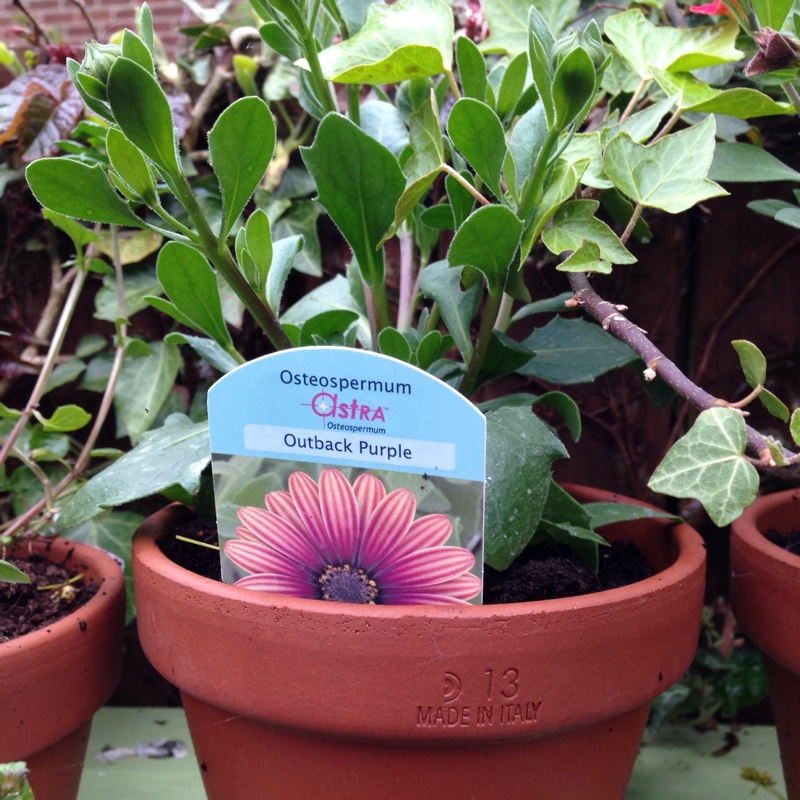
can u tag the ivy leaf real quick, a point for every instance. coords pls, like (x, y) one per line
(520, 451)
(78, 190)
(644, 45)
(601, 514)
(708, 464)
(142, 111)
(586, 258)
(508, 22)
(696, 95)
(176, 453)
(736, 162)
(487, 241)
(575, 223)
(754, 365)
(794, 426)
(669, 174)
(241, 145)
(359, 183)
(574, 351)
(410, 39)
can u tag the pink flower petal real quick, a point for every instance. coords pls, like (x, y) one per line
(246, 534)
(282, 536)
(281, 503)
(422, 599)
(464, 587)
(340, 512)
(432, 530)
(279, 584)
(305, 494)
(257, 558)
(425, 568)
(388, 524)
(369, 491)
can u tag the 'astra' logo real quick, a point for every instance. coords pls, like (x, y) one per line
(325, 404)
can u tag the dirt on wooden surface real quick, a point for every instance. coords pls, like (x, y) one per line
(51, 595)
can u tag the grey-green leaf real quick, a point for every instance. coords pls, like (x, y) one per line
(708, 464)
(754, 365)
(240, 145)
(176, 453)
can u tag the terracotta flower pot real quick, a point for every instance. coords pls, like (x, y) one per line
(287, 698)
(54, 679)
(765, 592)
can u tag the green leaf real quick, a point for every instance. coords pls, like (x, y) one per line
(136, 50)
(425, 162)
(512, 86)
(708, 464)
(503, 357)
(259, 244)
(461, 199)
(191, 285)
(736, 162)
(301, 220)
(644, 45)
(487, 241)
(392, 343)
(321, 328)
(477, 133)
(573, 87)
(586, 258)
(774, 405)
(540, 43)
(283, 257)
(240, 145)
(471, 68)
(575, 223)
(10, 574)
(130, 165)
(754, 365)
(669, 174)
(525, 143)
(359, 183)
(574, 351)
(384, 122)
(113, 532)
(520, 451)
(601, 514)
(207, 349)
(457, 307)
(65, 418)
(176, 453)
(78, 190)
(794, 426)
(693, 94)
(281, 41)
(142, 111)
(354, 14)
(144, 385)
(80, 234)
(410, 39)
(771, 13)
(508, 22)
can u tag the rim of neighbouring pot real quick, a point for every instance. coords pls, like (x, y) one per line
(56, 677)
(309, 654)
(765, 579)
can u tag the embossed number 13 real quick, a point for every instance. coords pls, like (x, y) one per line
(510, 681)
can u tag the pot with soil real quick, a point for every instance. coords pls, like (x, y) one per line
(549, 699)
(54, 677)
(765, 592)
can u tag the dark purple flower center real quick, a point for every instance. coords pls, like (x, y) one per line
(346, 584)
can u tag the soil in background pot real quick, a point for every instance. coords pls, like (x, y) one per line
(26, 607)
(790, 542)
(540, 574)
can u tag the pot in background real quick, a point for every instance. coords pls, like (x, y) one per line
(54, 679)
(765, 593)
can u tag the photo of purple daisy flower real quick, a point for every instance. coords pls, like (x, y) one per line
(351, 544)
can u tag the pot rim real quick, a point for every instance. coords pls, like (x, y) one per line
(690, 556)
(749, 527)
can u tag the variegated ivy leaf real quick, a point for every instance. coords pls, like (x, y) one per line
(708, 464)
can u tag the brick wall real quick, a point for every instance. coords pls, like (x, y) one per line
(62, 20)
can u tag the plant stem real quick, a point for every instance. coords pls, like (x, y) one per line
(792, 94)
(504, 313)
(453, 85)
(353, 105)
(634, 100)
(533, 192)
(324, 93)
(465, 183)
(637, 212)
(490, 310)
(404, 307)
(623, 329)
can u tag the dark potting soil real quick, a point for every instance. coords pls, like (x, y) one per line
(790, 542)
(542, 573)
(26, 607)
(545, 574)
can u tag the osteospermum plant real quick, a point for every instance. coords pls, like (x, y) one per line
(465, 163)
